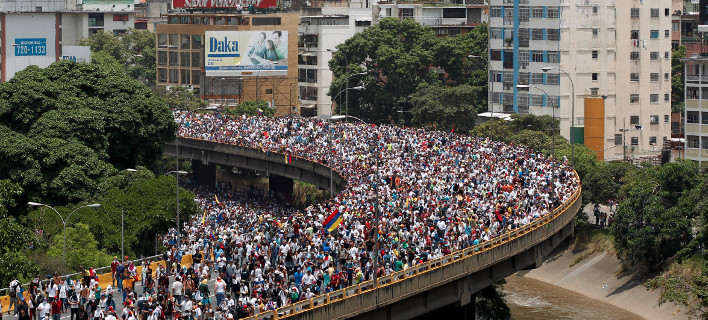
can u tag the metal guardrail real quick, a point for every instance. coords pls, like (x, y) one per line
(367, 286)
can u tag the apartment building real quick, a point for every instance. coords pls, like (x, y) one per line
(35, 32)
(569, 50)
(446, 18)
(696, 111)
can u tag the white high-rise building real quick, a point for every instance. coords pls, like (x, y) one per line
(617, 50)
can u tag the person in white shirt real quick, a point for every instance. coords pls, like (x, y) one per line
(98, 314)
(219, 289)
(178, 291)
(44, 309)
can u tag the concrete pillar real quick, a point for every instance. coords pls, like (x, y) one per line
(280, 184)
(205, 175)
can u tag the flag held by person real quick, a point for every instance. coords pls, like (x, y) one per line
(333, 221)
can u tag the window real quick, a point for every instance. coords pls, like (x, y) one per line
(654, 12)
(652, 141)
(162, 58)
(705, 118)
(362, 23)
(594, 92)
(95, 20)
(634, 76)
(553, 57)
(553, 13)
(553, 34)
(120, 17)
(174, 41)
(666, 54)
(537, 12)
(553, 79)
(667, 12)
(618, 139)
(654, 34)
(635, 13)
(634, 120)
(405, 13)
(184, 59)
(654, 55)
(635, 141)
(174, 76)
(634, 55)
(162, 75)
(161, 40)
(667, 34)
(524, 78)
(495, 33)
(523, 56)
(495, 12)
(654, 77)
(524, 14)
(307, 75)
(537, 78)
(116, 32)
(174, 58)
(666, 118)
(536, 34)
(184, 41)
(634, 98)
(595, 32)
(267, 21)
(634, 34)
(595, 9)
(308, 93)
(692, 117)
(537, 56)
(654, 98)
(594, 54)
(496, 55)
(536, 100)
(594, 76)
(666, 76)
(667, 98)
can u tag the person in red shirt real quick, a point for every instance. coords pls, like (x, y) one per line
(56, 308)
(114, 265)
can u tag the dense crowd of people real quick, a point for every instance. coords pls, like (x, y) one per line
(412, 195)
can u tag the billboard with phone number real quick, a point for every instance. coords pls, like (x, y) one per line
(246, 53)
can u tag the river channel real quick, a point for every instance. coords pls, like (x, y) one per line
(531, 299)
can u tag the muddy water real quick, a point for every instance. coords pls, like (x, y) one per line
(531, 299)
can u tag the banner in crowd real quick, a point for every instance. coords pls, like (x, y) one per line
(246, 53)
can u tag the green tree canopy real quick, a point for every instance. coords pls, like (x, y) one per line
(64, 128)
(250, 108)
(398, 56)
(133, 51)
(81, 248)
(445, 107)
(677, 79)
(181, 98)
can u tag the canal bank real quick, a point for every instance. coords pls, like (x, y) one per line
(595, 277)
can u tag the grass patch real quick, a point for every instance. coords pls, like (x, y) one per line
(589, 241)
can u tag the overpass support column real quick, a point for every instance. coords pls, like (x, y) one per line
(204, 174)
(280, 184)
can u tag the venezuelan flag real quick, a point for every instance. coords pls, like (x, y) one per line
(333, 221)
(260, 112)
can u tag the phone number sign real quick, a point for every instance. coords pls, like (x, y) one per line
(30, 47)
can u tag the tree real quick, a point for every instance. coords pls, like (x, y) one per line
(491, 303)
(14, 238)
(180, 98)
(677, 79)
(134, 51)
(604, 183)
(398, 56)
(81, 248)
(445, 107)
(65, 127)
(654, 220)
(251, 109)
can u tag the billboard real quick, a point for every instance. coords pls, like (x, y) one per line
(109, 2)
(224, 4)
(246, 53)
(76, 53)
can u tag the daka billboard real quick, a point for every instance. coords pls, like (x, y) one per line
(246, 53)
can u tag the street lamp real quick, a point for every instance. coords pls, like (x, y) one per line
(376, 203)
(346, 81)
(177, 173)
(572, 112)
(553, 109)
(347, 90)
(63, 221)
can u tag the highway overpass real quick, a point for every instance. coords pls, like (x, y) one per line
(448, 283)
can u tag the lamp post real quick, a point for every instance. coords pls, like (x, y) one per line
(257, 81)
(346, 90)
(377, 218)
(553, 109)
(572, 112)
(177, 173)
(122, 216)
(346, 82)
(490, 96)
(63, 221)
